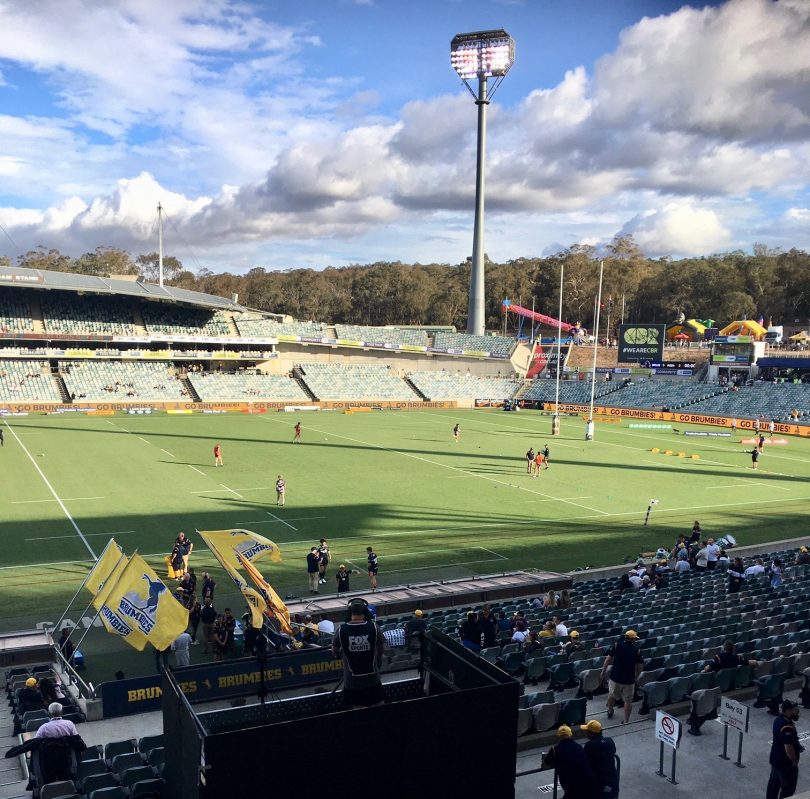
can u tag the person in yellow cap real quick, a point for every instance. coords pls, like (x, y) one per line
(802, 559)
(573, 644)
(625, 664)
(568, 759)
(601, 755)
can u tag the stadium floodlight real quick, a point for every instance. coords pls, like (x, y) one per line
(482, 55)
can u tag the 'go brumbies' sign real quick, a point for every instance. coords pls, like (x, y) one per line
(641, 343)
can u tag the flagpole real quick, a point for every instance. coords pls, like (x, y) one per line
(595, 346)
(555, 421)
(84, 583)
(98, 612)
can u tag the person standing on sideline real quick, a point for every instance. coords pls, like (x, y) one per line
(457, 432)
(529, 460)
(208, 586)
(373, 566)
(755, 458)
(342, 576)
(208, 616)
(771, 428)
(2, 438)
(313, 567)
(281, 489)
(625, 664)
(601, 755)
(297, 436)
(360, 644)
(181, 646)
(568, 758)
(323, 562)
(218, 455)
(785, 753)
(182, 548)
(545, 455)
(733, 426)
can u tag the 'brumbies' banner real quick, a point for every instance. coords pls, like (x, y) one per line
(105, 564)
(641, 343)
(249, 545)
(140, 608)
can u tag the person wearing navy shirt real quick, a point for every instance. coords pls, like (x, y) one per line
(373, 566)
(728, 659)
(625, 663)
(360, 644)
(571, 764)
(601, 754)
(785, 752)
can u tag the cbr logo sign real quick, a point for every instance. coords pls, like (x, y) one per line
(641, 343)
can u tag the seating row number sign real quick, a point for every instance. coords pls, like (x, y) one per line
(667, 729)
(734, 714)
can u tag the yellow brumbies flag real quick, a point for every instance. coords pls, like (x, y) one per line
(100, 573)
(249, 545)
(218, 541)
(139, 605)
(275, 605)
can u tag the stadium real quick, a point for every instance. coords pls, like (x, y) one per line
(114, 393)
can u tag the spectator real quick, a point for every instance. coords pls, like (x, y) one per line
(736, 575)
(534, 643)
(181, 646)
(489, 629)
(573, 645)
(548, 630)
(682, 566)
(625, 664)
(222, 638)
(470, 633)
(30, 694)
(194, 620)
(208, 617)
(503, 624)
(785, 753)
(601, 755)
(326, 626)
(696, 533)
(776, 573)
(208, 586)
(712, 554)
(550, 600)
(728, 659)
(723, 560)
(521, 634)
(568, 758)
(758, 567)
(560, 630)
(51, 690)
(56, 726)
(565, 598)
(66, 646)
(702, 557)
(415, 630)
(634, 579)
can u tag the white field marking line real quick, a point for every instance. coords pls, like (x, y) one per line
(167, 452)
(292, 519)
(281, 520)
(66, 499)
(446, 466)
(530, 501)
(733, 485)
(51, 489)
(235, 493)
(118, 426)
(68, 562)
(143, 439)
(89, 535)
(196, 470)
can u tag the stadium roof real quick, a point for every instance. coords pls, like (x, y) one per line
(89, 284)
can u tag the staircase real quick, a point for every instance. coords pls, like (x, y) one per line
(232, 325)
(60, 384)
(137, 321)
(298, 376)
(415, 389)
(36, 314)
(523, 390)
(192, 392)
(12, 777)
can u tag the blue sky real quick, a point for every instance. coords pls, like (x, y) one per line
(326, 132)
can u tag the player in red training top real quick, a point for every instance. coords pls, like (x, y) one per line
(297, 436)
(218, 455)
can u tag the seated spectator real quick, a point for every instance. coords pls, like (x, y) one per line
(758, 567)
(470, 633)
(550, 600)
(723, 560)
(560, 630)
(802, 557)
(504, 624)
(51, 690)
(728, 659)
(635, 579)
(565, 598)
(327, 626)
(736, 575)
(682, 566)
(30, 695)
(533, 644)
(56, 726)
(573, 645)
(548, 630)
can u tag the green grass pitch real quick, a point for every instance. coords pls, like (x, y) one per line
(432, 508)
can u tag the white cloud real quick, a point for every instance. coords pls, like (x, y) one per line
(682, 228)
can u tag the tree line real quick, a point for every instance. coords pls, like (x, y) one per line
(770, 283)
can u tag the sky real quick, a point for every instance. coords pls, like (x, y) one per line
(330, 132)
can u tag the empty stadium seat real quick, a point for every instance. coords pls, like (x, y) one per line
(58, 790)
(147, 789)
(97, 781)
(545, 716)
(572, 712)
(703, 707)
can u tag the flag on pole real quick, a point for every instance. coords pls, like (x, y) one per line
(218, 542)
(139, 607)
(275, 605)
(103, 568)
(251, 546)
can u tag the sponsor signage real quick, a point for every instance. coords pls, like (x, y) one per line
(641, 343)
(713, 433)
(7, 278)
(734, 714)
(668, 729)
(742, 359)
(733, 340)
(213, 681)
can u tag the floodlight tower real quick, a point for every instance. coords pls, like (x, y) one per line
(482, 55)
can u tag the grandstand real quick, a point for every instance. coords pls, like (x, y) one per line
(27, 381)
(771, 400)
(576, 392)
(382, 335)
(119, 381)
(498, 346)
(77, 315)
(15, 314)
(338, 382)
(255, 327)
(236, 386)
(659, 394)
(446, 386)
(180, 321)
